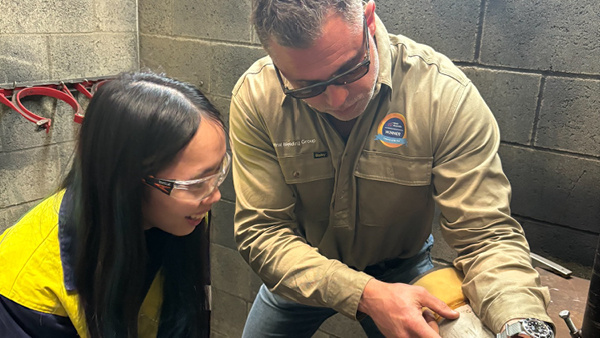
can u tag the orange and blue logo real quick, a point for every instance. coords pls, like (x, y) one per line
(392, 130)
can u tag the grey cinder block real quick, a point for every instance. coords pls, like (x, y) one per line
(222, 224)
(32, 16)
(66, 153)
(28, 175)
(450, 27)
(64, 128)
(213, 19)
(227, 191)
(185, 60)
(18, 133)
(570, 116)
(228, 314)
(564, 245)
(553, 188)
(92, 55)
(23, 58)
(512, 97)
(222, 104)
(548, 35)
(116, 16)
(227, 263)
(156, 17)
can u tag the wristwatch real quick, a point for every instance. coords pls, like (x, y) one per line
(532, 327)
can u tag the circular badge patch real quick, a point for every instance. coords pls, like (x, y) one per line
(392, 130)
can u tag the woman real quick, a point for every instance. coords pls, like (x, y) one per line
(122, 249)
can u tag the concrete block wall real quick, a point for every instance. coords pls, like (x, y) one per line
(53, 41)
(535, 63)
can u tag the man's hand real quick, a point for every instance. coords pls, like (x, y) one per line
(397, 309)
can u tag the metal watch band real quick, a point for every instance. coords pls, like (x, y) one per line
(516, 328)
(511, 330)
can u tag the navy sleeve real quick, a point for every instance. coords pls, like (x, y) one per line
(17, 321)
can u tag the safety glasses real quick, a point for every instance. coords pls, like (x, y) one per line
(349, 76)
(193, 190)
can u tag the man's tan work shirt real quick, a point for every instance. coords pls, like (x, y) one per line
(313, 209)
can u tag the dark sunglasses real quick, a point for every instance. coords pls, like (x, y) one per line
(349, 76)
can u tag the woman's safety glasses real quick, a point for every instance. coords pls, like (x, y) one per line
(193, 190)
(349, 76)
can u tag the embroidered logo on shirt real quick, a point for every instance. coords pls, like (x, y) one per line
(295, 143)
(392, 130)
(320, 154)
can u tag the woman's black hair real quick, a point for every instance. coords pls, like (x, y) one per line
(134, 126)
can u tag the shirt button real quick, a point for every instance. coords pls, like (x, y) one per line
(296, 174)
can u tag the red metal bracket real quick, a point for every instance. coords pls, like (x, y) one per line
(59, 91)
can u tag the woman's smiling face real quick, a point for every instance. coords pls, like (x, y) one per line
(201, 157)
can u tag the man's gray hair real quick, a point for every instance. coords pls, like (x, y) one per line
(298, 23)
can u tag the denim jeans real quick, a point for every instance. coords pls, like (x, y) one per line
(274, 316)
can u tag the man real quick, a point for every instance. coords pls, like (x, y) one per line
(343, 140)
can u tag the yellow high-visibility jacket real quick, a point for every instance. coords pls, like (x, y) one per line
(36, 275)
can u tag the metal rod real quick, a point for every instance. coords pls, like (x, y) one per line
(25, 84)
(575, 333)
(547, 264)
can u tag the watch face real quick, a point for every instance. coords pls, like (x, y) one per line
(537, 328)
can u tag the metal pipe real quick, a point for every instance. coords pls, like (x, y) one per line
(25, 84)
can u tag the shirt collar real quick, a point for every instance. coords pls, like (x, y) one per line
(382, 40)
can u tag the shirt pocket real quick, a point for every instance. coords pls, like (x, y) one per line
(312, 179)
(394, 168)
(393, 190)
(305, 168)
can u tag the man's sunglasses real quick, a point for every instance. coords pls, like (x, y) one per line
(349, 76)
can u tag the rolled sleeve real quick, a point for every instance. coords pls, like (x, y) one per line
(474, 197)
